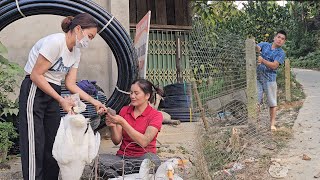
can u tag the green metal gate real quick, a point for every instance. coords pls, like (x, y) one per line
(161, 63)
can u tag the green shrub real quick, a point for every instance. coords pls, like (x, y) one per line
(7, 132)
(10, 75)
(310, 61)
(9, 79)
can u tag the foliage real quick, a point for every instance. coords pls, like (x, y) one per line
(9, 73)
(208, 91)
(302, 34)
(310, 61)
(214, 15)
(215, 146)
(214, 12)
(9, 77)
(296, 88)
(7, 132)
(264, 18)
(261, 20)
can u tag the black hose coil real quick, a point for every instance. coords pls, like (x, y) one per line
(114, 35)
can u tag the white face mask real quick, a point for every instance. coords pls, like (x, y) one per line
(82, 43)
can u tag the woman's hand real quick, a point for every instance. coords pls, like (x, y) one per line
(100, 108)
(114, 119)
(67, 103)
(109, 123)
(109, 112)
(116, 130)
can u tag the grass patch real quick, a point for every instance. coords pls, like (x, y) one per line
(281, 137)
(297, 108)
(217, 149)
(183, 150)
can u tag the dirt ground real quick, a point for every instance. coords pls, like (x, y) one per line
(258, 169)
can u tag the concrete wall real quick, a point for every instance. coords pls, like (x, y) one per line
(97, 62)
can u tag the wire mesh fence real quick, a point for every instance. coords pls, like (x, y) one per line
(225, 93)
(237, 137)
(145, 169)
(237, 140)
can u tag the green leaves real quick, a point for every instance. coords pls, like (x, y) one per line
(10, 111)
(7, 132)
(9, 79)
(214, 13)
(265, 17)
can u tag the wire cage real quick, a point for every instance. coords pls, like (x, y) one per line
(107, 166)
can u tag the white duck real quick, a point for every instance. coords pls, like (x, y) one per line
(75, 145)
(166, 169)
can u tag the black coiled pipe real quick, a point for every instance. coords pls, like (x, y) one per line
(114, 35)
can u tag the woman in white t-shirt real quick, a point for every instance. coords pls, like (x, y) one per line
(52, 59)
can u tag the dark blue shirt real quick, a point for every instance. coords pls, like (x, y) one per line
(271, 55)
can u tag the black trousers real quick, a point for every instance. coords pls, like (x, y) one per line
(39, 119)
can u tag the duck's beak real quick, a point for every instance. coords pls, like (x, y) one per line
(182, 162)
(170, 174)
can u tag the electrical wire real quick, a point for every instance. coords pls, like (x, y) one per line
(114, 35)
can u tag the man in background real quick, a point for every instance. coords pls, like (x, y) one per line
(270, 57)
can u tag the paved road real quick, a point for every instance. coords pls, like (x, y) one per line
(306, 131)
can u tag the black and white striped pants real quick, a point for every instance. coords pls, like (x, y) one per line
(39, 119)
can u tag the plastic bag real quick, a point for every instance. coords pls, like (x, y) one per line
(79, 105)
(88, 87)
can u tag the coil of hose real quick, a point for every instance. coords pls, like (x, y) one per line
(114, 35)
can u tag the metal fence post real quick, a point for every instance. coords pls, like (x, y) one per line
(251, 82)
(178, 57)
(287, 80)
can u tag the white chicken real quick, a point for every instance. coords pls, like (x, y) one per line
(75, 145)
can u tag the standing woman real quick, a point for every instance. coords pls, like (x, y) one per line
(52, 59)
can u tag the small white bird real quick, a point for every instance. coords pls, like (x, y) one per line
(75, 145)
